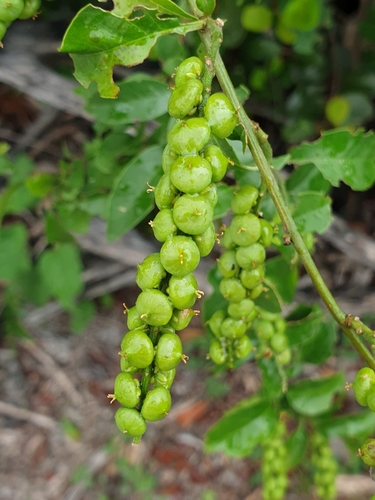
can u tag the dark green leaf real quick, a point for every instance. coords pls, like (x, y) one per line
(284, 276)
(307, 178)
(215, 300)
(225, 198)
(243, 427)
(303, 323)
(296, 446)
(358, 425)
(55, 231)
(315, 397)
(116, 40)
(14, 258)
(341, 156)
(318, 347)
(270, 299)
(272, 382)
(40, 184)
(312, 213)
(129, 201)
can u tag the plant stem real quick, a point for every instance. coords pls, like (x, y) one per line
(352, 327)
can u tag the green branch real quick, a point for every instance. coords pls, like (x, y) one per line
(352, 327)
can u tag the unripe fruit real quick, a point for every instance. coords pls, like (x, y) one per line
(165, 192)
(191, 174)
(150, 272)
(168, 158)
(215, 322)
(179, 255)
(266, 233)
(232, 289)
(211, 194)
(189, 136)
(157, 404)
(218, 162)
(233, 328)
(183, 292)
(241, 309)
(10, 10)
(285, 357)
(154, 308)
(363, 381)
(163, 225)
(206, 6)
(190, 68)
(220, 115)
(168, 351)
(367, 452)
(165, 378)
(130, 421)
(250, 278)
(206, 240)
(193, 214)
(264, 329)
(244, 199)
(242, 347)
(134, 321)
(181, 318)
(137, 348)
(250, 256)
(278, 342)
(371, 398)
(227, 264)
(30, 9)
(126, 390)
(185, 98)
(255, 292)
(245, 229)
(125, 366)
(226, 240)
(217, 353)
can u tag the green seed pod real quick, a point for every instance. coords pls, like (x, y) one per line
(264, 329)
(191, 174)
(157, 404)
(134, 322)
(363, 382)
(188, 137)
(10, 10)
(242, 309)
(215, 322)
(168, 351)
(251, 278)
(255, 292)
(227, 264)
(244, 199)
(130, 421)
(266, 233)
(250, 256)
(185, 98)
(150, 272)
(206, 240)
(179, 255)
(165, 378)
(206, 6)
(181, 318)
(232, 289)
(193, 214)
(165, 192)
(168, 158)
(242, 347)
(190, 69)
(154, 308)
(245, 229)
(217, 353)
(218, 162)
(30, 9)
(126, 390)
(233, 328)
(285, 357)
(278, 342)
(137, 348)
(163, 225)
(220, 115)
(183, 292)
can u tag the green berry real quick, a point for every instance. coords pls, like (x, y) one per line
(30, 9)
(245, 229)
(154, 308)
(211, 194)
(165, 192)
(251, 278)
(133, 320)
(215, 322)
(10, 10)
(190, 68)
(232, 289)
(168, 351)
(191, 174)
(126, 390)
(183, 292)
(217, 353)
(218, 161)
(266, 234)
(181, 318)
(185, 98)
(206, 240)
(137, 348)
(220, 115)
(264, 329)
(363, 382)
(179, 255)
(163, 225)
(367, 452)
(125, 366)
(244, 199)
(233, 328)
(278, 342)
(256, 291)
(371, 398)
(165, 378)
(241, 309)
(150, 272)
(168, 158)
(227, 264)
(130, 421)
(242, 347)
(189, 136)
(157, 404)
(193, 214)
(250, 256)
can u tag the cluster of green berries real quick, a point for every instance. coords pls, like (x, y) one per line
(241, 266)
(10, 10)
(185, 195)
(325, 467)
(274, 472)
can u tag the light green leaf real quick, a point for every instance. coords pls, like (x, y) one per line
(307, 178)
(312, 213)
(61, 269)
(357, 426)
(341, 156)
(115, 41)
(124, 8)
(129, 201)
(296, 445)
(249, 423)
(284, 276)
(225, 194)
(169, 7)
(315, 397)
(40, 184)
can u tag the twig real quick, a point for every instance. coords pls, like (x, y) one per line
(29, 416)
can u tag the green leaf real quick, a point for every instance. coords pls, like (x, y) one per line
(319, 346)
(272, 381)
(357, 426)
(14, 258)
(314, 397)
(169, 7)
(312, 213)
(61, 269)
(81, 315)
(249, 423)
(55, 231)
(341, 156)
(307, 178)
(284, 276)
(123, 8)
(225, 194)
(296, 446)
(215, 300)
(129, 201)
(257, 18)
(139, 99)
(115, 41)
(302, 15)
(270, 299)
(40, 184)
(73, 219)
